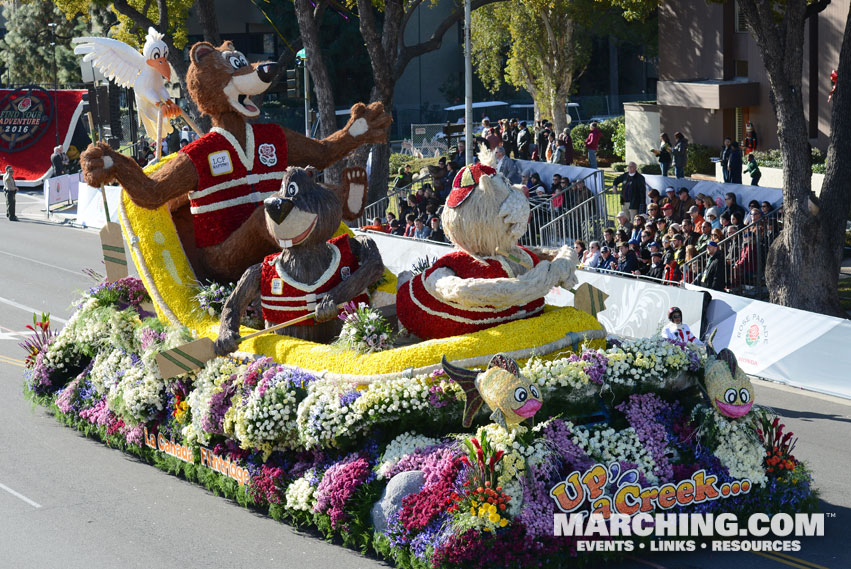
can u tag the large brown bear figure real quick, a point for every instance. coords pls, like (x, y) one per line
(227, 173)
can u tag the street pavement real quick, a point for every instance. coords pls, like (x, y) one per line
(67, 501)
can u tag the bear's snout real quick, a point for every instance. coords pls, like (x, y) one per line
(278, 208)
(266, 71)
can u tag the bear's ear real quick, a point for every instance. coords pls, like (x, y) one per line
(200, 50)
(352, 192)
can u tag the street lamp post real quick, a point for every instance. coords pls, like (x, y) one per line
(52, 26)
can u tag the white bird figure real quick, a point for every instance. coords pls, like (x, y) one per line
(145, 72)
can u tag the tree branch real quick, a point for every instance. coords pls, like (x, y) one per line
(816, 8)
(407, 53)
(163, 9)
(377, 56)
(410, 12)
(123, 7)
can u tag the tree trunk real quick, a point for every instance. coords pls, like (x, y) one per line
(206, 10)
(803, 262)
(309, 29)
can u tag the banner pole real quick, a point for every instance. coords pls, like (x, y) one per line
(102, 191)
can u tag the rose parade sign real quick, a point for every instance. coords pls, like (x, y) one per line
(25, 115)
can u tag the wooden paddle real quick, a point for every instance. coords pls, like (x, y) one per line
(191, 123)
(158, 151)
(114, 255)
(513, 258)
(196, 354)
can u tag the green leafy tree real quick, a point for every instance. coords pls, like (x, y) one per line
(26, 50)
(547, 46)
(803, 263)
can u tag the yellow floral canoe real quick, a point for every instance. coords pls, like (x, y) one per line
(164, 268)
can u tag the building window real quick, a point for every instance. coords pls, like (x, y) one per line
(741, 25)
(739, 124)
(741, 68)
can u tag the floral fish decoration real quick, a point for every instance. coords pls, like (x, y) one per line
(510, 396)
(729, 389)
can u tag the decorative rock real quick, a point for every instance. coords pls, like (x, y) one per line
(400, 486)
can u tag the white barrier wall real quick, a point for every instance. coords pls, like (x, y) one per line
(744, 193)
(90, 205)
(791, 346)
(636, 308)
(402, 253)
(546, 170)
(61, 189)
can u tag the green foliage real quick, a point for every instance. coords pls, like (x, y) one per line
(619, 137)
(700, 160)
(606, 148)
(773, 158)
(511, 45)
(649, 169)
(398, 160)
(578, 134)
(619, 166)
(26, 50)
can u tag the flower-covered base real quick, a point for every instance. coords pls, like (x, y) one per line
(319, 453)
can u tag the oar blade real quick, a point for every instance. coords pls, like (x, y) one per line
(114, 254)
(185, 358)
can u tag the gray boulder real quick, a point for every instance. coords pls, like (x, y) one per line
(401, 485)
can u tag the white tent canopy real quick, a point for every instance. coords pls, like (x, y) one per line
(481, 105)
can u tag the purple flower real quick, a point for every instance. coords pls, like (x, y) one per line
(339, 484)
(641, 411)
(349, 397)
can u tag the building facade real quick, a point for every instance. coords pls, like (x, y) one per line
(712, 81)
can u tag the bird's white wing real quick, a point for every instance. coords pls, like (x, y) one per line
(119, 62)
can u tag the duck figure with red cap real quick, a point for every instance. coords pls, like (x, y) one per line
(489, 279)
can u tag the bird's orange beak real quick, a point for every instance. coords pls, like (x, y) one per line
(161, 65)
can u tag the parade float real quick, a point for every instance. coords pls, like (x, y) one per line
(453, 446)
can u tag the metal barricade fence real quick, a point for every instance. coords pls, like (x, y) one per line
(429, 140)
(745, 253)
(391, 202)
(585, 220)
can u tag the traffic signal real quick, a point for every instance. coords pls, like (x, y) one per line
(292, 83)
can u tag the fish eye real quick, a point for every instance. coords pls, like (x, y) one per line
(292, 190)
(745, 395)
(730, 396)
(520, 394)
(534, 391)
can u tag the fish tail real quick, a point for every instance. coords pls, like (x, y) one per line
(467, 380)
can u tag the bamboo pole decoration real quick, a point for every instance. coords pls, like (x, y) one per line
(158, 151)
(105, 165)
(194, 355)
(190, 122)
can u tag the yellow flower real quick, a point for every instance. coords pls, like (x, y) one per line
(493, 518)
(492, 508)
(475, 504)
(503, 522)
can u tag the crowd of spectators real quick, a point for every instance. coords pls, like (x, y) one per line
(658, 237)
(420, 209)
